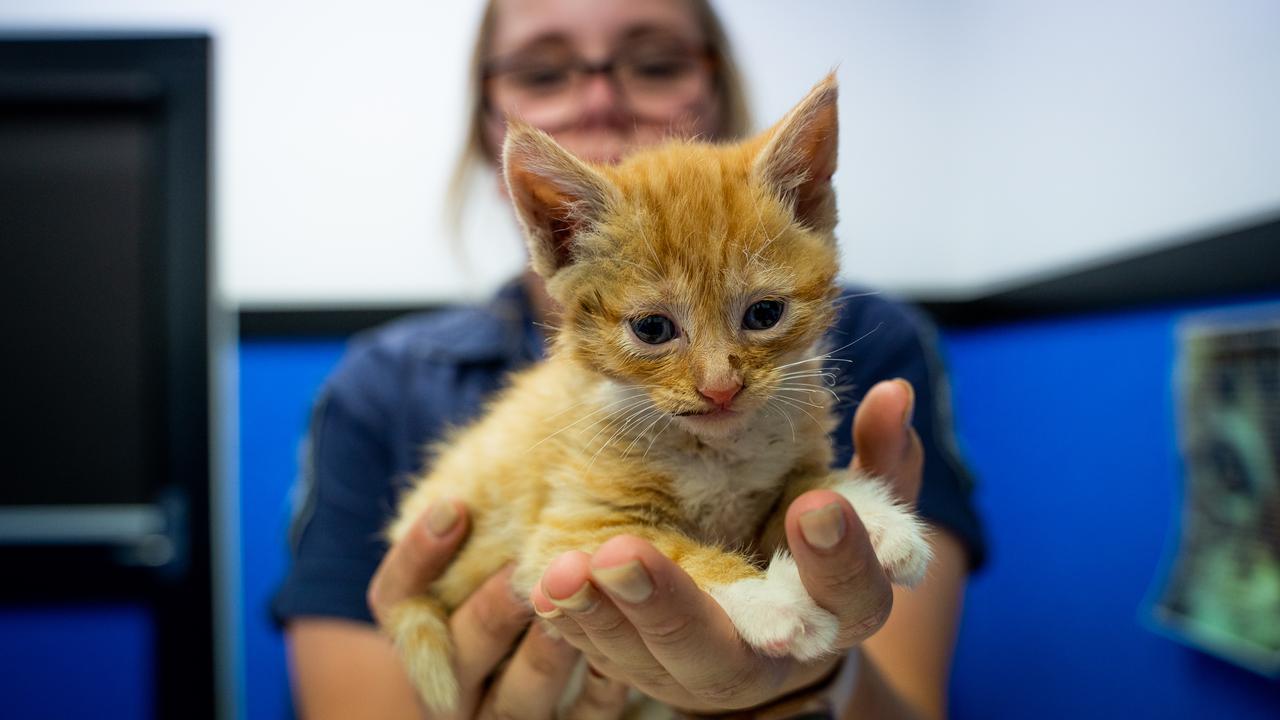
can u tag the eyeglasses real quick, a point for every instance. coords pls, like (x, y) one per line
(545, 88)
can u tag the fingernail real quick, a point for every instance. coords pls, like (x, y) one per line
(629, 581)
(550, 630)
(441, 517)
(584, 599)
(824, 527)
(550, 614)
(911, 401)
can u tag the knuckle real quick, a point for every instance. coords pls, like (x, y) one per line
(490, 617)
(501, 709)
(573, 633)
(730, 689)
(599, 697)
(852, 578)
(872, 616)
(542, 664)
(611, 628)
(419, 542)
(652, 679)
(675, 630)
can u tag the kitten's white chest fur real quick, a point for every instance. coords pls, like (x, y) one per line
(727, 486)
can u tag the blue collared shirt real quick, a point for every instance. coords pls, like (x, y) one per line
(401, 385)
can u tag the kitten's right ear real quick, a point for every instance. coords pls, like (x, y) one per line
(799, 157)
(556, 195)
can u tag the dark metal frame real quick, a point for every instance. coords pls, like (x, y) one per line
(165, 79)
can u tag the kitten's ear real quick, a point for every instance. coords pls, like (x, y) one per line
(555, 195)
(799, 157)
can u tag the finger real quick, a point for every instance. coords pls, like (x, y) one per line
(568, 585)
(419, 557)
(887, 445)
(601, 698)
(838, 564)
(686, 631)
(484, 628)
(531, 684)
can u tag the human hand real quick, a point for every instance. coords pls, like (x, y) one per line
(673, 642)
(485, 628)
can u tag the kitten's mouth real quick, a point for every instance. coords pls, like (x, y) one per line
(716, 414)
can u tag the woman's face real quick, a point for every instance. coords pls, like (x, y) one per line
(601, 76)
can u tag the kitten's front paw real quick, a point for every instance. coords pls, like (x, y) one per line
(775, 614)
(899, 537)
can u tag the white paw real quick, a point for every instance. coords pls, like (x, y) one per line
(775, 614)
(900, 539)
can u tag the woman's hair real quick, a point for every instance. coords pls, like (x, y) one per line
(735, 121)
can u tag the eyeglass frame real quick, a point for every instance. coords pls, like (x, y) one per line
(704, 53)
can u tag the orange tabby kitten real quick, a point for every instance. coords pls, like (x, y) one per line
(679, 401)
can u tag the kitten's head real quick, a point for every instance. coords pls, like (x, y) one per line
(693, 271)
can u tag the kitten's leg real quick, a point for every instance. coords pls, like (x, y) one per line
(898, 535)
(771, 609)
(419, 626)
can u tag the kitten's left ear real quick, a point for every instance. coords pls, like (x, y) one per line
(556, 196)
(799, 157)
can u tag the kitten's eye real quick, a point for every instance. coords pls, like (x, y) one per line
(763, 315)
(654, 329)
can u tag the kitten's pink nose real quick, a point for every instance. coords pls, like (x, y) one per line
(721, 395)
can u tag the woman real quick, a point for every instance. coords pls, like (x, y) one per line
(603, 76)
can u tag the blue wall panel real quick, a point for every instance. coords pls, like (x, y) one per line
(278, 380)
(76, 661)
(1069, 425)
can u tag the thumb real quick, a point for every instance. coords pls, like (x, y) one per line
(419, 556)
(887, 446)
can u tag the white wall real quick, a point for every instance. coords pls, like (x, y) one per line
(981, 141)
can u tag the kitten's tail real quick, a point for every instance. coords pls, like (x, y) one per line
(420, 628)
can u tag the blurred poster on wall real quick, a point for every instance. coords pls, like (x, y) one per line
(1221, 592)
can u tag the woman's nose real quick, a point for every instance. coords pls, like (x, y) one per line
(600, 95)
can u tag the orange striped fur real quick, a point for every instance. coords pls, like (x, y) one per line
(592, 442)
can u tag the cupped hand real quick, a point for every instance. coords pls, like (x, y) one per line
(655, 630)
(484, 630)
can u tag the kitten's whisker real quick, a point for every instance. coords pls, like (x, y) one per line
(609, 421)
(657, 435)
(828, 380)
(788, 401)
(815, 358)
(806, 374)
(785, 416)
(859, 339)
(641, 413)
(810, 403)
(851, 296)
(827, 355)
(818, 358)
(605, 444)
(640, 435)
(635, 392)
(584, 418)
(811, 388)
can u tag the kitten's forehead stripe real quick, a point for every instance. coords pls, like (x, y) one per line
(701, 211)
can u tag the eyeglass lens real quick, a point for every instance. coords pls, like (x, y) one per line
(543, 85)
